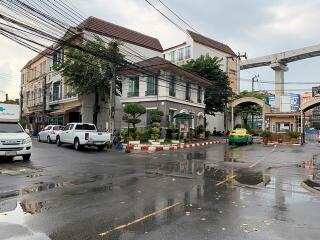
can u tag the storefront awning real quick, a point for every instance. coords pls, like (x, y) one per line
(65, 110)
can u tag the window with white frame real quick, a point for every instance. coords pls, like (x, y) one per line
(188, 91)
(43, 67)
(187, 51)
(199, 94)
(180, 54)
(133, 86)
(173, 56)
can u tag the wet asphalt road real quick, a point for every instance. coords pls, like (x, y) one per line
(215, 192)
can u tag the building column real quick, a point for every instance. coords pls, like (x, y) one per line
(232, 118)
(279, 69)
(302, 127)
(263, 119)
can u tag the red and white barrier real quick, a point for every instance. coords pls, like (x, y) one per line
(150, 148)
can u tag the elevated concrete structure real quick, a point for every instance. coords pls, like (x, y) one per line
(278, 62)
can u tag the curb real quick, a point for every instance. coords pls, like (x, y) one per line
(146, 148)
(311, 189)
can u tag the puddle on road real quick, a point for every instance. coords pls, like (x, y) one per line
(192, 164)
(251, 177)
(16, 213)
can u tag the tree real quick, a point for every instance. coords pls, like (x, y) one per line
(134, 111)
(247, 109)
(11, 101)
(156, 116)
(89, 69)
(217, 95)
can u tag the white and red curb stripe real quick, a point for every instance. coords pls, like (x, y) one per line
(147, 148)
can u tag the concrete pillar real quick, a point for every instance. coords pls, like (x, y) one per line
(302, 127)
(232, 118)
(279, 69)
(263, 119)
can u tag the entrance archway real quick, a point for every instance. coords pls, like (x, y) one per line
(314, 102)
(265, 108)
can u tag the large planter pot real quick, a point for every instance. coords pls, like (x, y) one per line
(294, 140)
(265, 140)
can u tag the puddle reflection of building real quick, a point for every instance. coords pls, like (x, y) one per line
(192, 166)
(31, 206)
(280, 208)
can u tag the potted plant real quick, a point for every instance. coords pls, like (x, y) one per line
(265, 135)
(294, 136)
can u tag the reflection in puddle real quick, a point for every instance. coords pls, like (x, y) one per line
(188, 166)
(251, 177)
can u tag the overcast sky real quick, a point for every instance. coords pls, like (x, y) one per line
(257, 27)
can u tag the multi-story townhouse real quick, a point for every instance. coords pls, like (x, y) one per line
(63, 105)
(157, 83)
(33, 96)
(197, 45)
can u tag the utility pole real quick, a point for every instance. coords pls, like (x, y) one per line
(112, 90)
(44, 100)
(254, 79)
(239, 56)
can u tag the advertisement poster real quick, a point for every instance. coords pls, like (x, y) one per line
(184, 126)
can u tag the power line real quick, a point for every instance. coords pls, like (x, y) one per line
(63, 24)
(166, 6)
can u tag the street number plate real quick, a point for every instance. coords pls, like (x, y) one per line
(11, 153)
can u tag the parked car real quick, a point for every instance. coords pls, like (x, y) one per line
(14, 140)
(83, 134)
(49, 133)
(240, 135)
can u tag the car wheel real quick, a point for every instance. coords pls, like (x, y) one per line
(101, 148)
(39, 140)
(26, 157)
(76, 144)
(230, 143)
(49, 140)
(58, 142)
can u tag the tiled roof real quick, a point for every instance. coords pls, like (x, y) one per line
(151, 65)
(105, 28)
(211, 43)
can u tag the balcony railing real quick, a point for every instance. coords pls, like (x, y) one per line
(133, 94)
(151, 92)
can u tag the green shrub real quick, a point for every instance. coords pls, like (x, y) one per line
(256, 132)
(294, 134)
(132, 134)
(207, 134)
(143, 136)
(155, 131)
(265, 133)
(199, 130)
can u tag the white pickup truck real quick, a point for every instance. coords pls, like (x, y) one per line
(83, 134)
(14, 141)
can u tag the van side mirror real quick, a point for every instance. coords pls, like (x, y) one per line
(27, 131)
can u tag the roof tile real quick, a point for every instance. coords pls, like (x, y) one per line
(211, 43)
(105, 28)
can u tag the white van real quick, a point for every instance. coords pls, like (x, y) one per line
(14, 141)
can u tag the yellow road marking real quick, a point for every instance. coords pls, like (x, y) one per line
(257, 162)
(103, 234)
(228, 178)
